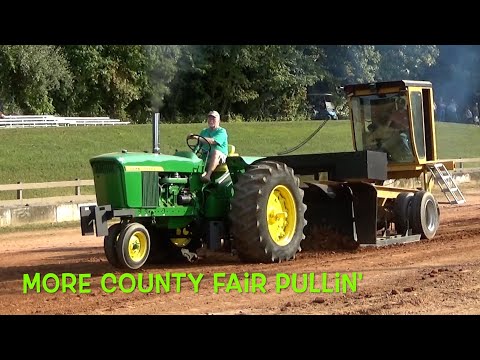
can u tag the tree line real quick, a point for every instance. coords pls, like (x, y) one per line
(242, 82)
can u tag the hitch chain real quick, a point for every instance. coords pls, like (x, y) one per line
(191, 256)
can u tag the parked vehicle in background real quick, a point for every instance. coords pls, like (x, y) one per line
(322, 106)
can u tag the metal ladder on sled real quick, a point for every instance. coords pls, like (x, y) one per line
(446, 183)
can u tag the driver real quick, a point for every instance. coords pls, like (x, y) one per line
(218, 139)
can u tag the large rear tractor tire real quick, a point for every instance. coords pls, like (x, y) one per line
(425, 214)
(133, 246)
(267, 213)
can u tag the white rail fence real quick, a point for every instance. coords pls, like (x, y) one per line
(23, 121)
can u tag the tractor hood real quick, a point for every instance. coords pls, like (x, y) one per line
(182, 161)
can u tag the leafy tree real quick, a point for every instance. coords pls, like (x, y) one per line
(160, 69)
(31, 76)
(405, 61)
(88, 64)
(257, 81)
(281, 78)
(183, 82)
(108, 78)
(125, 81)
(344, 64)
(351, 63)
(210, 77)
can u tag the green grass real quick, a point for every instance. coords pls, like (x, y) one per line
(455, 141)
(59, 154)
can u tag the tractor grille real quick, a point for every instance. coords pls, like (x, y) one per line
(150, 191)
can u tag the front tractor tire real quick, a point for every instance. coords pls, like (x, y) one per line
(267, 213)
(133, 246)
(110, 244)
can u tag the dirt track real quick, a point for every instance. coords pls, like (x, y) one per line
(440, 276)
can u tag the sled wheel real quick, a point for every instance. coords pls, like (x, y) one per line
(425, 214)
(402, 212)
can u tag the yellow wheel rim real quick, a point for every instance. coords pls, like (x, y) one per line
(137, 246)
(180, 241)
(281, 215)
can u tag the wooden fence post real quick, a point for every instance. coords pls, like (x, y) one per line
(77, 188)
(19, 192)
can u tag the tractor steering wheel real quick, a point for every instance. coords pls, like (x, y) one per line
(196, 147)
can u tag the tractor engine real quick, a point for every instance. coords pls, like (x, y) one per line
(174, 189)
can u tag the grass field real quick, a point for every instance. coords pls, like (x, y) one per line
(58, 154)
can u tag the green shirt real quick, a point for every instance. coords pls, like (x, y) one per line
(220, 136)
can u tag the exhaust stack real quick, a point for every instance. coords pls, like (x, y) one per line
(156, 130)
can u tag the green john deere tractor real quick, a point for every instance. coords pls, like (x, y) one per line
(165, 212)
(259, 208)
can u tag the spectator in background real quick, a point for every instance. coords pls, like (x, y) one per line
(452, 111)
(476, 121)
(468, 116)
(2, 115)
(442, 107)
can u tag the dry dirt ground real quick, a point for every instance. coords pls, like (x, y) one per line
(439, 276)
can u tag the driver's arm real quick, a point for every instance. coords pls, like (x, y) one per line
(202, 139)
(219, 139)
(211, 141)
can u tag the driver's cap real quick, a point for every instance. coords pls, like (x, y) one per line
(215, 114)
